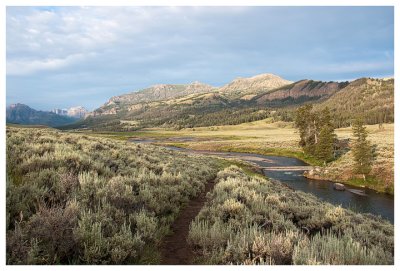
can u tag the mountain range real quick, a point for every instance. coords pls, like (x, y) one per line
(264, 89)
(23, 114)
(242, 100)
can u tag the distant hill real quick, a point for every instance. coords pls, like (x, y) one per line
(23, 114)
(367, 98)
(155, 93)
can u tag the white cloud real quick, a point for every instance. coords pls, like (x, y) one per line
(25, 67)
(45, 40)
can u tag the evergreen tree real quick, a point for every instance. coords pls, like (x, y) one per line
(324, 148)
(317, 133)
(362, 149)
(307, 123)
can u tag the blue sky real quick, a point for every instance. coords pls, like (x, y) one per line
(68, 56)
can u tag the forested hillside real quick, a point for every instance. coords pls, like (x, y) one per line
(366, 98)
(300, 90)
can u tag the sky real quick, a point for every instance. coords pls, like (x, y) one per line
(58, 57)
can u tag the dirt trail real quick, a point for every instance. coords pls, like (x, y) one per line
(175, 249)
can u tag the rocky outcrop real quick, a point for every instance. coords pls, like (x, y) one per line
(74, 112)
(102, 112)
(77, 112)
(253, 85)
(303, 88)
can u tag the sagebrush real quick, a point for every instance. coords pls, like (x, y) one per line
(74, 199)
(252, 220)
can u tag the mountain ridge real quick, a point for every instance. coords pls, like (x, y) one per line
(238, 88)
(253, 97)
(23, 114)
(156, 92)
(305, 87)
(253, 85)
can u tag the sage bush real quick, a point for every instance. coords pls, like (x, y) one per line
(76, 199)
(253, 220)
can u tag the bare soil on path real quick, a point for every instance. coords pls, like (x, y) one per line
(175, 249)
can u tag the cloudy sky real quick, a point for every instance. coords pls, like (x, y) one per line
(68, 56)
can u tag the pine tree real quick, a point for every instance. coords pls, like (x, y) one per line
(301, 122)
(324, 148)
(307, 122)
(362, 149)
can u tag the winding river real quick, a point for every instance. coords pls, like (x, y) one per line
(290, 171)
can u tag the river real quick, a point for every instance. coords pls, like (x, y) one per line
(372, 202)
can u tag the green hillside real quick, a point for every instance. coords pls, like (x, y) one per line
(368, 98)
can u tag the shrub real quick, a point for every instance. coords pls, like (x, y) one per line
(330, 249)
(85, 200)
(252, 220)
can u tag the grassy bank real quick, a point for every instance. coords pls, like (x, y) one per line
(252, 220)
(371, 183)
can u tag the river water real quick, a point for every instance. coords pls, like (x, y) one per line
(372, 202)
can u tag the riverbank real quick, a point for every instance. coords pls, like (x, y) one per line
(266, 151)
(278, 138)
(371, 182)
(289, 172)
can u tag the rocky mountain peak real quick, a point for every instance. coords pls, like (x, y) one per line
(255, 84)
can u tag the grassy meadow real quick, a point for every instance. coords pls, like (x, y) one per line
(281, 138)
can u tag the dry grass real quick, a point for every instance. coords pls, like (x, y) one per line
(383, 168)
(263, 136)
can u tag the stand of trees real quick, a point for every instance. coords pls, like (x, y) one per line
(363, 152)
(318, 138)
(317, 134)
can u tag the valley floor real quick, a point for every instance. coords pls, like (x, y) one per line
(77, 199)
(280, 138)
